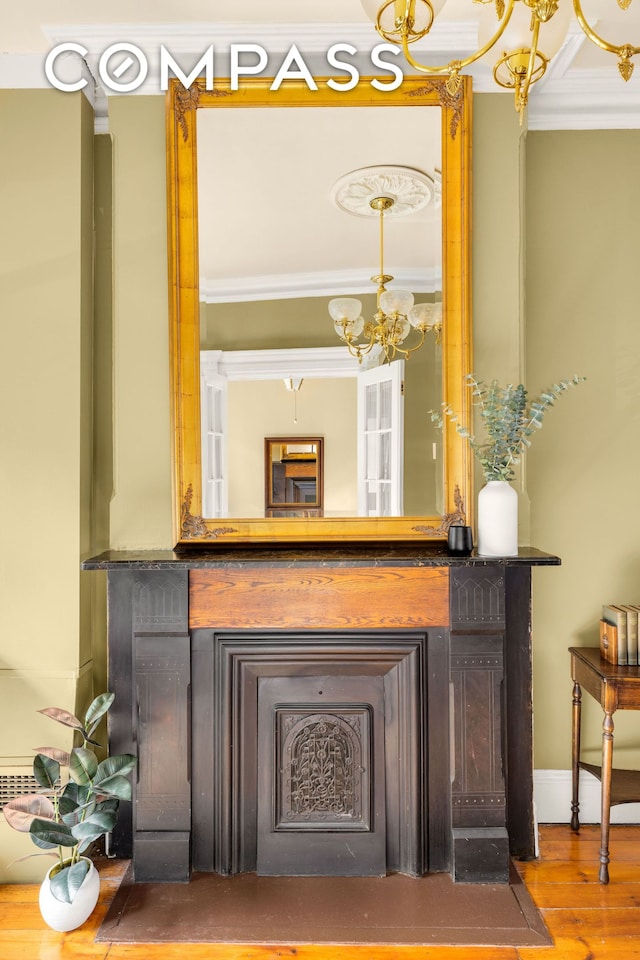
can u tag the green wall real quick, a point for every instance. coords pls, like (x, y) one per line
(46, 472)
(583, 291)
(499, 156)
(45, 397)
(554, 225)
(567, 201)
(140, 515)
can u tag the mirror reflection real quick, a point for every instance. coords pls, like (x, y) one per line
(277, 243)
(293, 476)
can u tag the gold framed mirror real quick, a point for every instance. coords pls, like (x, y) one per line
(196, 432)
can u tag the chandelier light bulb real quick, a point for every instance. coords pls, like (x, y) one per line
(349, 328)
(397, 328)
(425, 315)
(345, 308)
(396, 301)
(553, 32)
(371, 8)
(345, 313)
(516, 41)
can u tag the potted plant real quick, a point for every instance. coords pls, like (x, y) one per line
(509, 419)
(71, 812)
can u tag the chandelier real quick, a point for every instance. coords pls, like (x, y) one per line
(396, 317)
(528, 33)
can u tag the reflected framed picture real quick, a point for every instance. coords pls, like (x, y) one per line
(294, 476)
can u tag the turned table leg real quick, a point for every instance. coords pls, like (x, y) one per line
(575, 755)
(607, 763)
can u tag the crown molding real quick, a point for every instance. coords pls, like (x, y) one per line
(585, 100)
(567, 98)
(20, 71)
(310, 38)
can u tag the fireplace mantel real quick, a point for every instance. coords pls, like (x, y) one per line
(181, 626)
(429, 555)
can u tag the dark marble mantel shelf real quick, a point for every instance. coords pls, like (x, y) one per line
(345, 556)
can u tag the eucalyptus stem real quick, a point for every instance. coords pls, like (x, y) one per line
(508, 419)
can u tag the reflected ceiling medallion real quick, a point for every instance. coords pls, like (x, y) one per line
(410, 190)
(525, 33)
(384, 191)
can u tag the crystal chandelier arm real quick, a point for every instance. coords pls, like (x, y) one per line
(624, 50)
(455, 66)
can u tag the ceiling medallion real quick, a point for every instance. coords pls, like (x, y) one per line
(408, 188)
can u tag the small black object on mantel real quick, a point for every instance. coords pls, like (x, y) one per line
(460, 541)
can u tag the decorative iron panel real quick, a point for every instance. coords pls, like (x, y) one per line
(322, 774)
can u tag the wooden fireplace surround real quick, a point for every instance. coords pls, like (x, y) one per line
(473, 616)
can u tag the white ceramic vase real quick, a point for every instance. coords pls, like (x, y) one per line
(497, 520)
(68, 916)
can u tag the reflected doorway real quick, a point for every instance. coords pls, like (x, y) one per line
(294, 485)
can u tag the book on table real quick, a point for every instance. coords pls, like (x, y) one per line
(608, 642)
(631, 610)
(614, 615)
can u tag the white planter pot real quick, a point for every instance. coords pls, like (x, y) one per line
(67, 916)
(497, 520)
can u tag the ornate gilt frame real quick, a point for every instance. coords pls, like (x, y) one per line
(182, 105)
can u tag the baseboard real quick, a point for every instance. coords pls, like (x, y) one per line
(552, 796)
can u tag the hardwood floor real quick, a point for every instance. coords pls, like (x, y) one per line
(588, 921)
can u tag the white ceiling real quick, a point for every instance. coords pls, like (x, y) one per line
(582, 88)
(268, 227)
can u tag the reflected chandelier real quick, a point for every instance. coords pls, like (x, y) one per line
(531, 31)
(396, 315)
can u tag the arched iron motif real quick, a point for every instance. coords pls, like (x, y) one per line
(322, 769)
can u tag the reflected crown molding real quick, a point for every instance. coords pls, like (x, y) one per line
(300, 362)
(290, 286)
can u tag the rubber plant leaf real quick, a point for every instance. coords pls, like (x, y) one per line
(46, 771)
(22, 811)
(94, 826)
(65, 885)
(48, 832)
(60, 756)
(97, 710)
(62, 716)
(82, 766)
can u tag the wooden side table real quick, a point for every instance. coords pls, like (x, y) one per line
(615, 688)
